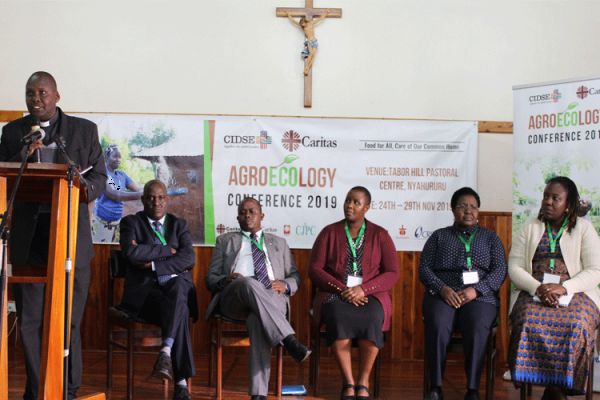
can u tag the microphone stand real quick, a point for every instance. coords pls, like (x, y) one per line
(73, 170)
(4, 235)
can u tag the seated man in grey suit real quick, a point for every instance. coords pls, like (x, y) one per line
(159, 286)
(251, 275)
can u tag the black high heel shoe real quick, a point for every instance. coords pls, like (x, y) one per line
(361, 387)
(347, 396)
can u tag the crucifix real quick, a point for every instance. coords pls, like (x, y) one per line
(309, 18)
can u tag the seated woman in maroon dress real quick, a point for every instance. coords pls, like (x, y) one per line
(354, 265)
(554, 265)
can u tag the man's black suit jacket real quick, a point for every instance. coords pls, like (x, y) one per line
(139, 281)
(81, 141)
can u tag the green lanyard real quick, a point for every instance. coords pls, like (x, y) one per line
(554, 240)
(467, 244)
(257, 244)
(160, 236)
(354, 243)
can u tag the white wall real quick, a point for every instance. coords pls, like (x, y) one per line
(385, 58)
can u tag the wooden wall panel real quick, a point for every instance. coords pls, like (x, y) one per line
(404, 342)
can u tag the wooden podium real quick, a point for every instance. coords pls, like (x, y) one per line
(44, 183)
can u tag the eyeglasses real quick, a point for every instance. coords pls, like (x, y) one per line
(465, 207)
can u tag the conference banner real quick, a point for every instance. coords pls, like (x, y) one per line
(556, 132)
(300, 170)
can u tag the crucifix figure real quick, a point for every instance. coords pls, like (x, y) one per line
(309, 18)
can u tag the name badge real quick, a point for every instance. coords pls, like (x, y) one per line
(551, 278)
(470, 277)
(354, 281)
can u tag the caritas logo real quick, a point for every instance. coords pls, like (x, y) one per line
(287, 229)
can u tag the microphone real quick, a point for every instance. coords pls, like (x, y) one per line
(36, 133)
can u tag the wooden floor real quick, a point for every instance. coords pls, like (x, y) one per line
(399, 380)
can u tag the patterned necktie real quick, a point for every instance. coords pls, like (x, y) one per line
(162, 279)
(260, 263)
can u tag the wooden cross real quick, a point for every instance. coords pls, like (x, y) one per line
(309, 17)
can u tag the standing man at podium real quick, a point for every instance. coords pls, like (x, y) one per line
(30, 228)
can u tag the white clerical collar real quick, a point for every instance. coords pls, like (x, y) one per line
(45, 124)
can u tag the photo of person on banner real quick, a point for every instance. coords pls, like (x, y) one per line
(120, 188)
(138, 149)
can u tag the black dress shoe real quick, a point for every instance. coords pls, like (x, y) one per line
(297, 350)
(163, 368)
(258, 397)
(343, 396)
(553, 393)
(181, 393)
(435, 394)
(359, 388)
(472, 394)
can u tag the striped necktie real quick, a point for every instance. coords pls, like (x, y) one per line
(259, 259)
(162, 279)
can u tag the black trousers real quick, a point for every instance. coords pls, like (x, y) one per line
(29, 299)
(474, 320)
(167, 306)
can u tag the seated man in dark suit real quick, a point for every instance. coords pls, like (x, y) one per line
(251, 275)
(159, 288)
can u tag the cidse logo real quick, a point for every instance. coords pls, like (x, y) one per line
(552, 97)
(306, 230)
(236, 139)
(422, 234)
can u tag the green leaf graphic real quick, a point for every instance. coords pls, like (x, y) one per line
(290, 158)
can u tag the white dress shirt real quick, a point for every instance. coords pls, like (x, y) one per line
(245, 264)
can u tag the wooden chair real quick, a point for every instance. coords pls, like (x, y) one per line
(124, 330)
(225, 332)
(318, 332)
(526, 389)
(456, 345)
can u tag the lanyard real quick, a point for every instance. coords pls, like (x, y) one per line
(257, 244)
(160, 237)
(354, 243)
(467, 244)
(554, 240)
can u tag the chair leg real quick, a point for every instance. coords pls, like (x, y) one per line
(314, 362)
(279, 372)
(523, 391)
(219, 362)
(377, 376)
(211, 355)
(589, 393)
(109, 357)
(425, 374)
(165, 389)
(130, 340)
(491, 365)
